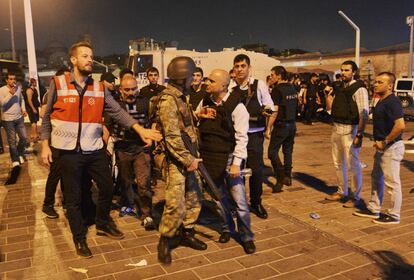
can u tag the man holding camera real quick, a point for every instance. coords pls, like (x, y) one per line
(255, 96)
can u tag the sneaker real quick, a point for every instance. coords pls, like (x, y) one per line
(386, 220)
(148, 224)
(366, 214)
(334, 197)
(50, 212)
(15, 163)
(126, 211)
(21, 159)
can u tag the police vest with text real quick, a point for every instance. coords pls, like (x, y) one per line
(344, 107)
(250, 100)
(77, 117)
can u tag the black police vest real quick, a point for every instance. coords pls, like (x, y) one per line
(139, 111)
(252, 104)
(344, 107)
(217, 135)
(288, 102)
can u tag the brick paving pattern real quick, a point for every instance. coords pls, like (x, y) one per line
(290, 244)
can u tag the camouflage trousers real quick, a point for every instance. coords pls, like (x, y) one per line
(182, 200)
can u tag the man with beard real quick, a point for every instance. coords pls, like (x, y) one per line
(349, 115)
(153, 88)
(389, 125)
(73, 124)
(132, 155)
(223, 149)
(255, 96)
(182, 192)
(285, 98)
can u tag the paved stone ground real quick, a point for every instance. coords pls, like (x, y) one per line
(290, 245)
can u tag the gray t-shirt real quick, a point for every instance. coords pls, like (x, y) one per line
(12, 106)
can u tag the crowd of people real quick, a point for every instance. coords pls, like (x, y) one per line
(200, 135)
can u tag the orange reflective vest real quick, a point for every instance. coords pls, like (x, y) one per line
(77, 118)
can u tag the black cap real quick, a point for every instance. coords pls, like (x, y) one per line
(109, 77)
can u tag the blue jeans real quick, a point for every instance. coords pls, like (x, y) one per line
(13, 127)
(235, 193)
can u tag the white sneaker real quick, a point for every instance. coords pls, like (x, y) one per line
(15, 163)
(21, 159)
(148, 224)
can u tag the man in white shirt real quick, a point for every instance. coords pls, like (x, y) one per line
(12, 116)
(349, 115)
(223, 134)
(256, 97)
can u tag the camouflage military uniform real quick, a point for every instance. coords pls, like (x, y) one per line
(182, 194)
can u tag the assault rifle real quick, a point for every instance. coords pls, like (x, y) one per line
(213, 190)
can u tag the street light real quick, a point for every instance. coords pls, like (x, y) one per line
(410, 20)
(12, 31)
(357, 35)
(31, 51)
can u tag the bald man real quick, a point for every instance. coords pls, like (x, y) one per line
(224, 122)
(132, 154)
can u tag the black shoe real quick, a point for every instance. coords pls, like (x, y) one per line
(82, 249)
(110, 230)
(385, 219)
(164, 251)
(287, 181)
(366, 214)
(249, 247)
(224, 237)
(277, 188)
(50, 212)
(188, 240)
(259, 211)
(148, 224)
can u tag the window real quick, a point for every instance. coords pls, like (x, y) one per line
(404, 85)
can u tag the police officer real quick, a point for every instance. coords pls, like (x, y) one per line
(132, 155)
(255, 96)
(182, 193)
(285, 98)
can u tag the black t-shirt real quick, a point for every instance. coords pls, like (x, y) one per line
(151, 90)
(385, 113)
(312, 91)
(285, 96)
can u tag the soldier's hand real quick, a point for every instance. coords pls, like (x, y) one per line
(147, 134)
(234, 171)
(379, 145)
(194, 165)
(148, 143)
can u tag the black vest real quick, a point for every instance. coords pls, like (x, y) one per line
(252, 104)
(139, 111)
(344, 107)
(217, 135)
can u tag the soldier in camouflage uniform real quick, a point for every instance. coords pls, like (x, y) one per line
(182, 194)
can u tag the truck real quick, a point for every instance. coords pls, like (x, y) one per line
(152, 55)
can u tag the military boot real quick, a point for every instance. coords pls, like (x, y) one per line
(164, 251)
(189, 240)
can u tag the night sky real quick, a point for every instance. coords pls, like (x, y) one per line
(311, 25)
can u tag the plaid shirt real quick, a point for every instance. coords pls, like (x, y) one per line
(361, 99)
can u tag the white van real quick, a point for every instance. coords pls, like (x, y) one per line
(404, 89)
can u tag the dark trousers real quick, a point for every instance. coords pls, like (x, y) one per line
(96, 165)
(138, 167)
(310, 109)
(255, 162)
(52, 180)
(1, 138)
(283, 135)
